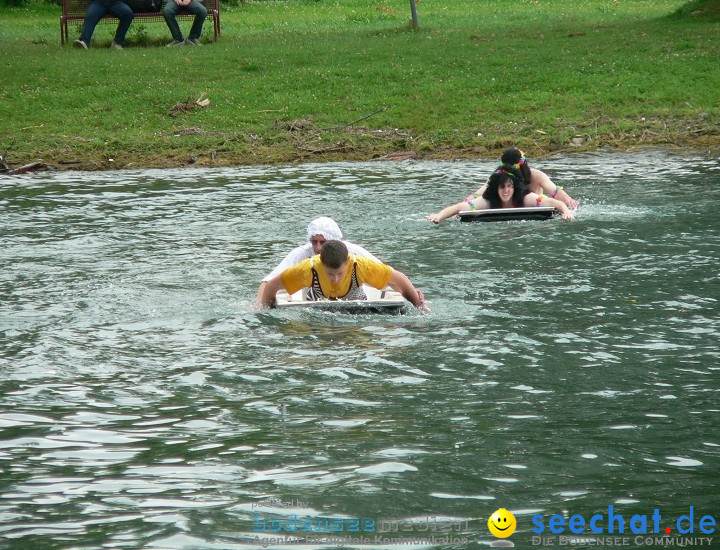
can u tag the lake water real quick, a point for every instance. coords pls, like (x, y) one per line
(566, 366)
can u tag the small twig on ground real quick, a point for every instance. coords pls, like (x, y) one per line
(380, 110)
(189, 105)
(331, 149)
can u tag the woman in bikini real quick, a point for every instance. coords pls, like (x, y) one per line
(504, 189)
(536, 180)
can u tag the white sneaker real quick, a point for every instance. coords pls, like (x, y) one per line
(80, 44)
(115, 46)
(176, 43)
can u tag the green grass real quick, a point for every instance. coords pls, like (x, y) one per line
(478, 75)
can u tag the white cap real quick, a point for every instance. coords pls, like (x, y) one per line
(325, 227)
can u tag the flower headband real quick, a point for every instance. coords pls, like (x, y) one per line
(503, 170)
(519, 163)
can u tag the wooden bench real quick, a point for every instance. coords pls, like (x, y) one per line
(74, 10)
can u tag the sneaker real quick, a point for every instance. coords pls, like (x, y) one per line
(115, 46)
(80, 44)
(193, 42)
(176, 43)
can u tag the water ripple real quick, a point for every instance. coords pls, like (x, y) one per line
(143, 404)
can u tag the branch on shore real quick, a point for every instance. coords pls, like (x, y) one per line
(398, 156)
(189, 105)
(32, 167)
(338, 147)
(341, 127)
(306, 124)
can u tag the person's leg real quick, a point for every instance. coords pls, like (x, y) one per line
(125, 14)
(200, 12)
(169, 13)
(94, 13)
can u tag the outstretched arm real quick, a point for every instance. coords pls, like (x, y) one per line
(533, 199)
(400, 282)
(258, 297)
(447, 212)
(567, 199)
(268, 291)
(552, 190)
(294, 257)
(475, 204)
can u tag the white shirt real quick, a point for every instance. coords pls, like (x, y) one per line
(305, 251)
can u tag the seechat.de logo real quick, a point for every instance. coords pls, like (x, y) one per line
(502, 524)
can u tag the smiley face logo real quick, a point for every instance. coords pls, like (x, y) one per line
(502, 523)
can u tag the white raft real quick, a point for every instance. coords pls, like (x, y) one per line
(507, 214)
(379, 301)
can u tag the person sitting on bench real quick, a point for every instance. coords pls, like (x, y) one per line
(96, 10)
(172, 7)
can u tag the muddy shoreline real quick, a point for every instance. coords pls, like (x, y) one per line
(708, 145)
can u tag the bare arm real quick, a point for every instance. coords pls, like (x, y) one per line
(455, 208)
(400, 282)
(294, 257)
(478, 204)
(258, 297)
(267, 292)
(567, 199)
(446, 212)
(533, 199)
(551, 189)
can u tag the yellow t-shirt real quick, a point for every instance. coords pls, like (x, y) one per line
(369, 272)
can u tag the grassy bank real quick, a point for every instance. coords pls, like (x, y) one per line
(293, 80)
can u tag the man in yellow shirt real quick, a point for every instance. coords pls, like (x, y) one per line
(337, 275)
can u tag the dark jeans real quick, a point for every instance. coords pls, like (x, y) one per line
(95, 12)
(196, 8)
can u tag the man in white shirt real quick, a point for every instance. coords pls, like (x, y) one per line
(319, 230)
